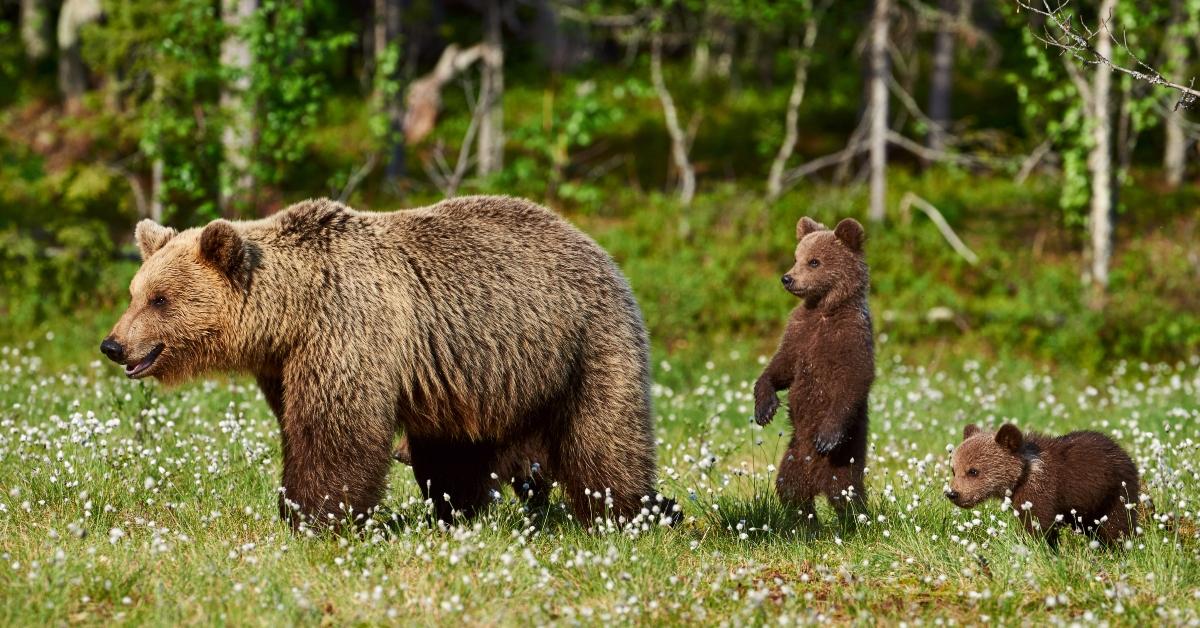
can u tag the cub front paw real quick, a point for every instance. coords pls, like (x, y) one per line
(764, 411)
(827, 442)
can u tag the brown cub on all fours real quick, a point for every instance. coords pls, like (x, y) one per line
(1083, 480)
(826, 362)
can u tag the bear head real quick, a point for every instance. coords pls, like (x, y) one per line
(986, 465)
(830, 265)
(184, 301)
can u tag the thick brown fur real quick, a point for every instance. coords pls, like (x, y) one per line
(1083, 480)
(472, 325)
(826, 361)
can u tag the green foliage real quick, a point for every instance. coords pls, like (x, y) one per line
(55, 244)
(288, 80)
(165, 62)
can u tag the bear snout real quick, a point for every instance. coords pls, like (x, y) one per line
(113, 350)
(952, 495)
(787, 280)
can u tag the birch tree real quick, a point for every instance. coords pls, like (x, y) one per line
(878, 109)
(237, 139)
(491, 127)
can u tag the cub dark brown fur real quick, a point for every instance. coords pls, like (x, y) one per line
(1083, 480)
(473, 324)
(826, 361)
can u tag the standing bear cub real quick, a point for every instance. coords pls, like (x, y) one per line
(826, 361)
(475, 325)
(1083, 480)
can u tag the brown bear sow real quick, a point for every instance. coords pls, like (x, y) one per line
(475, 324)
(1083, 480)
(826, 361)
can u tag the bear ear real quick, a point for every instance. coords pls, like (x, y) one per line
(151, 236)
(851, 233)
(1010, 437)
(970, 431)
(806, 226)
(222, 246)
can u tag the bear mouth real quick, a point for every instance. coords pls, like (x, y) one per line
(135, 371)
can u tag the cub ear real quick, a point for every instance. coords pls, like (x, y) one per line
(806, 226)
(151, 236)
(970, 431)
(222, 246)
(851, 233)
(1010, 437)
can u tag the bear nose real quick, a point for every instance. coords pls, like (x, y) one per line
(787, 280)
(951, 494)
(113, 350)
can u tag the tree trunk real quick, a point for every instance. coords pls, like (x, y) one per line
(1100, 167)
(35, 31)
(1175, 149)
(490, 148)
(803, 56)
(679, 142)
(238, 136)
(878, 109)
(940, 83)
(388, 30)
(72, 75)
(558, 47)
(156, 190)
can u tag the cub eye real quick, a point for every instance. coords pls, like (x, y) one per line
(158, 301)
(972, 472)
(814, 262)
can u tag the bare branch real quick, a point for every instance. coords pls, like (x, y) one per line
(939, 221)
(791, 118)
(1061, 32)
(357, 177)
(679, 140)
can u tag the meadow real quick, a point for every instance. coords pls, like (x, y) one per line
(124, 502)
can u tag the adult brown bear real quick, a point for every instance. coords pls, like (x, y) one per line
(473, 324)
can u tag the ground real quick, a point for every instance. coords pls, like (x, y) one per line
(123, 501)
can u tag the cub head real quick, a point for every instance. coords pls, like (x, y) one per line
(830, 265)
(986, 465)
(183, 302)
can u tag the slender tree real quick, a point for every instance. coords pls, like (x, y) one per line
(388, 91)
(1176, 48)
(942, 79)
(491, 128)
(1100, 167)
(238, 135)
(35, 28)
(72, 74)
(878, 109)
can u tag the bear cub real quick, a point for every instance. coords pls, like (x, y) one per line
(1083, 480)
(826, 362)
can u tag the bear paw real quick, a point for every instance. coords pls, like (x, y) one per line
(826, 442)
(765, 410)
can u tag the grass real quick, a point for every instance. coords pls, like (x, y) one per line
(129, 503)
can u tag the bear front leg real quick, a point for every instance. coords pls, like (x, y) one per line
(776, 377)
(337, 440)
(845, 408)
(1039, 521)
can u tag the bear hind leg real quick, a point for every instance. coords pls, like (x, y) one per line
(605, 457)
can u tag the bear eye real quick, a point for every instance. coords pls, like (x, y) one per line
(158, 300)
(972, 472)
(814, 262)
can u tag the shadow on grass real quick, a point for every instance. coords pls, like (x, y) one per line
(766, 519)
